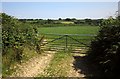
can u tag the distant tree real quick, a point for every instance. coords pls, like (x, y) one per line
(73, 19)
(22, 20)
(49, 21)
(29, 19)
(97, 22)
(67, 19)
(88, 21)
(59, 19)
(40, 19)
(79, 22)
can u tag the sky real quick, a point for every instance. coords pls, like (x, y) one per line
(59, 0)
(55, 10)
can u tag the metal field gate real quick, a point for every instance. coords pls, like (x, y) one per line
(63, 42)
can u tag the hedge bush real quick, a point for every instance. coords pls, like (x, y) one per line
(105, 49)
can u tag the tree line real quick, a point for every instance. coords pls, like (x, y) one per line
(87, 21)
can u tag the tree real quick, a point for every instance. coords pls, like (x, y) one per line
(88, 21)
(73, 19)
(59, 19)
(67, 19)
(49, 21)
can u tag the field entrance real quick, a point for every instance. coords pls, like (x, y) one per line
(66, 42)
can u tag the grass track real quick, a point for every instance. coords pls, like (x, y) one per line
(59, 66)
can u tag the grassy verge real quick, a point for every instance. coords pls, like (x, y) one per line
(59, 66)
(8, 66)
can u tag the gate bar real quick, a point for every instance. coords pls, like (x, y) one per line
(54, 40)
(78, 41)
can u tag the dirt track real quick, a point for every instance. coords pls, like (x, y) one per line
(34, 66)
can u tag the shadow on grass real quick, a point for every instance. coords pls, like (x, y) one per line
(91, 71)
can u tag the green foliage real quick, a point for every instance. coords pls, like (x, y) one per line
(110, 22)
(105, 49)
(15, 36)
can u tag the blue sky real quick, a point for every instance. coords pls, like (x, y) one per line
(55, 10)
(59, 0)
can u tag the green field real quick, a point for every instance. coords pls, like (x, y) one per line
(70, 30)
(50, 31)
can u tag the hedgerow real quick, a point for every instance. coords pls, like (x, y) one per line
(15, 36)
(105, 49)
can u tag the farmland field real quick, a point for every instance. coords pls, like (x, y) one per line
(70, 30)
(52, 33)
